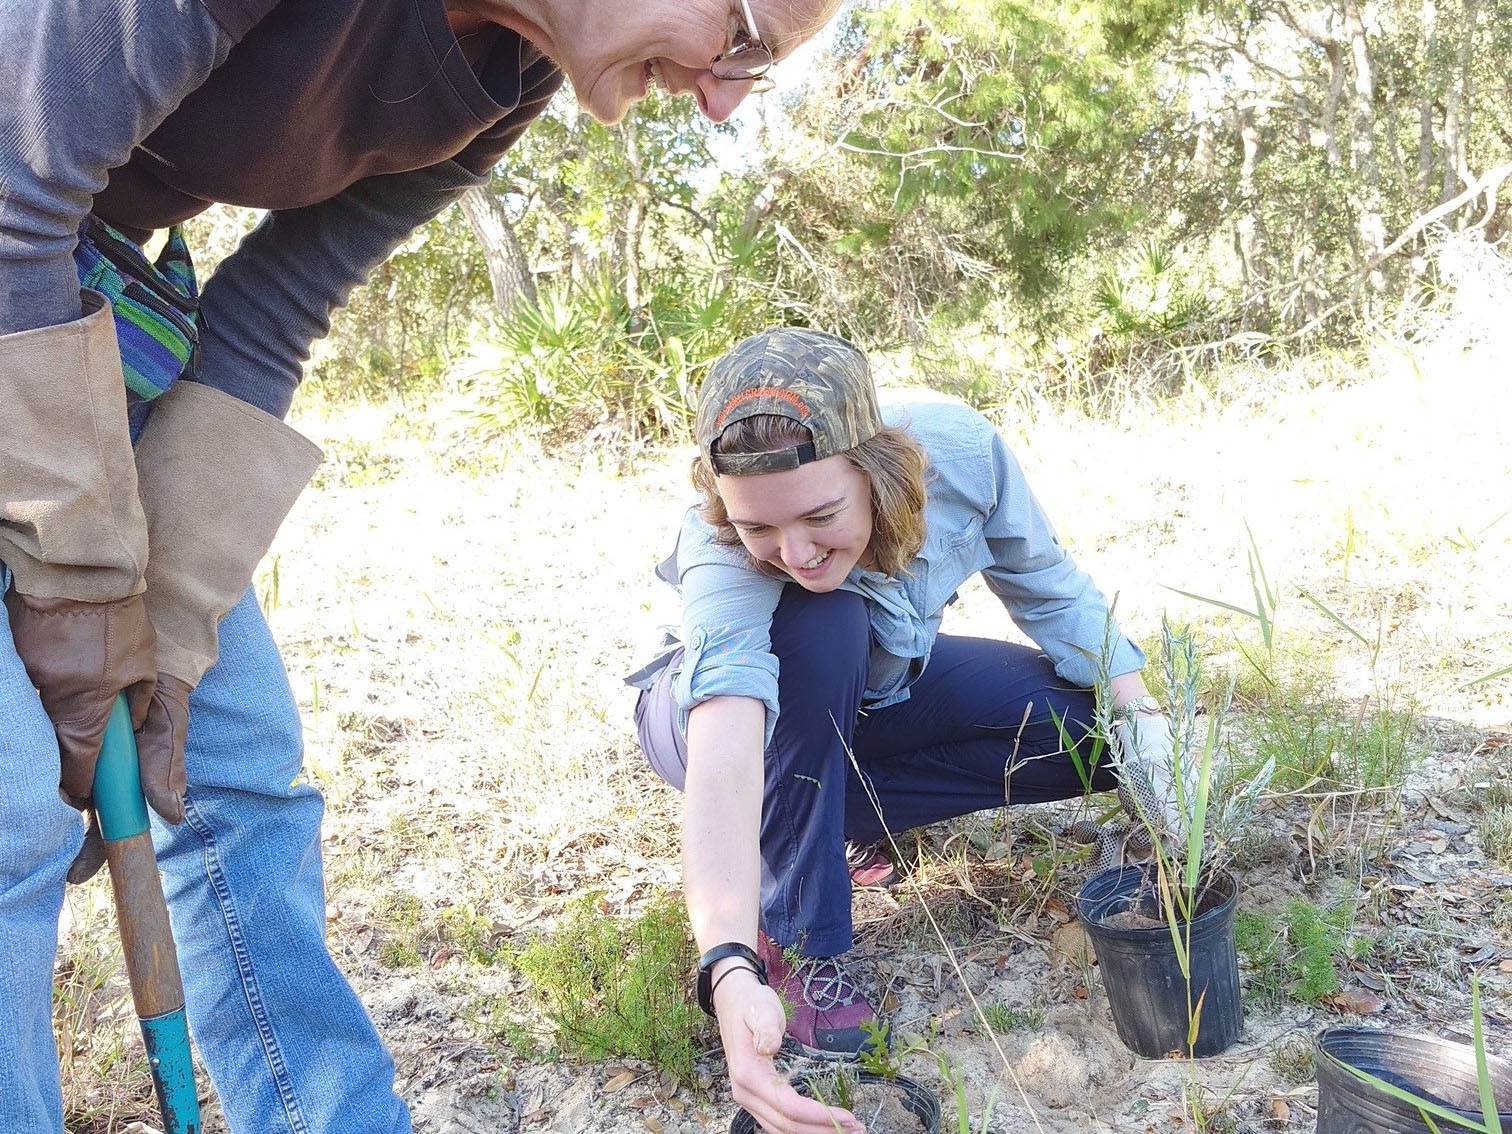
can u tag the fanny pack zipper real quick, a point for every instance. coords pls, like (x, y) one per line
(149, 297)
(178, 305)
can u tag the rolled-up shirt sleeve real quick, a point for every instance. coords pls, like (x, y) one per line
(1048, 596)
(727, 624)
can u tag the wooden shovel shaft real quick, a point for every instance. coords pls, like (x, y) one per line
(147, 940)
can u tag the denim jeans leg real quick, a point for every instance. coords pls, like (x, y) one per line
(977, 731)
(288, 1045)
(39, 835)
(822, 645)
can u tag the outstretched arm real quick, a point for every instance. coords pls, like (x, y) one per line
(722, 881)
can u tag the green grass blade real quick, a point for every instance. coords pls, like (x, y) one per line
(1489, 1114)
(1083, 772)
(1346, 627)
(1263, 608)
(1503, 672)
(1195, 1022)
(1214, 602)
(1256, 564)
(1198, 826)
(1423, 1105)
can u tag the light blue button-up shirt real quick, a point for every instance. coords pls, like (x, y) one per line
(980, 517)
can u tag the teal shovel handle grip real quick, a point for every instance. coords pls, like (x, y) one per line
(147, 942)
(118, 797)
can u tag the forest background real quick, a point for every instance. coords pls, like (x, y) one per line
(1086, 199)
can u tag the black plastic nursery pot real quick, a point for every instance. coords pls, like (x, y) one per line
(917, 1098)
(1437, 1070)
(1145, 986)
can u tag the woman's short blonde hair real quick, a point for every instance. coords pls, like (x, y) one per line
(895, 466)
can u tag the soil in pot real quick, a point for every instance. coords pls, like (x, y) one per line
(884, 1106)
(882, 1110)
(1143, 909)
(1147, 991)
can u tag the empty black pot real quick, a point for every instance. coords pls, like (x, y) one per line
(919, 1100)
(1439, 1071)
(1146, 989)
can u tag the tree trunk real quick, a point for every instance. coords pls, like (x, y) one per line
(1331, 106)
(1456, 109)
(1372, 226)
(507, 270)
(1429, 16)
(1254, 245)
(635, 223)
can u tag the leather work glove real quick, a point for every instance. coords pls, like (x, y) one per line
(80, 655)
(1148, 770)
(160, 760)
(74, 536)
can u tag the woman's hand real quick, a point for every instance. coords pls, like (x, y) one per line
(751, 1025)
(1150, 770)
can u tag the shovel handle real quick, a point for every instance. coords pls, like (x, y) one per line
(146, 939)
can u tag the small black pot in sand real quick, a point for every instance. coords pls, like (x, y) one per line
(1120, 909)
(918, 1109)
(1436, 1070)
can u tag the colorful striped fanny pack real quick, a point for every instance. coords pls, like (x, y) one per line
(156, 305)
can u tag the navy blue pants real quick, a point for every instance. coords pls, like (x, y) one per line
(959, 744)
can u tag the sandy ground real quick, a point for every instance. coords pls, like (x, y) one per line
(456, 623)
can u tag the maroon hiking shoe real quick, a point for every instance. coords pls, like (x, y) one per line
(869, 865)
(825, 1008)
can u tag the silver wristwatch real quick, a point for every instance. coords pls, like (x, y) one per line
(1136, 705)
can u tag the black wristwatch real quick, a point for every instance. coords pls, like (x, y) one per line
(719, 953)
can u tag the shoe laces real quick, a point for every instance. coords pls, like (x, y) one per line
(861, 854)
(825, 982)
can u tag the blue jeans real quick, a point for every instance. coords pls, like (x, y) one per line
(289, 1048)
(961, 743)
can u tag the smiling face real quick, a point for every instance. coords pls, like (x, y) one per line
(612, 51)
(813, 523)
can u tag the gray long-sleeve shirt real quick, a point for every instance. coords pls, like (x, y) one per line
(353, 121)
(980, 517)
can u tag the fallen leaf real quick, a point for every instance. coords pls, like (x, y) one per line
(618, 1082)
(1058, 909)
(652, 1124)
(1420, 872)
(1441, 808)
(1280, 1111)
(1355, 1001)
(1504, 966)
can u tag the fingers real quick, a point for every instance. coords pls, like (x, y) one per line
(767, 1022)
(752, 1023)
(160, 748)
(79, 741)
(91, 856)
(784, 1111)
(78, 655)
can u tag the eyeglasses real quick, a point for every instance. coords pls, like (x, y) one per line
(748, 60)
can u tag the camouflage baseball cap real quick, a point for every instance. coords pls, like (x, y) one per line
(818, 380)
